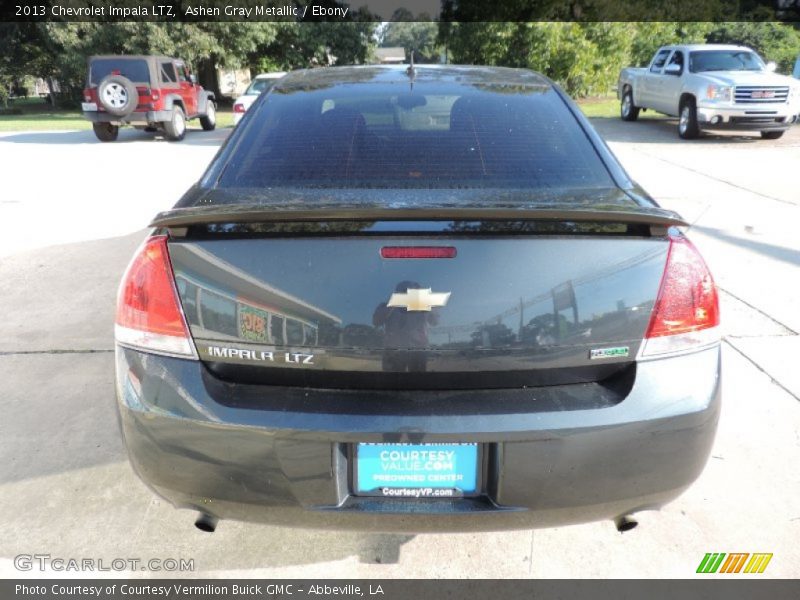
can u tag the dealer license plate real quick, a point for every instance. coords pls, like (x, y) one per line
(89, 106)
(416, 470)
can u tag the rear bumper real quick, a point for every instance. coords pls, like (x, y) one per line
(144, 117)
(292, 467)
(769, 118)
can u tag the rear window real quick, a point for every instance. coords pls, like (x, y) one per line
(259, 85)
(134, 69)
(168, 72)
(432, 136)
(724, 60)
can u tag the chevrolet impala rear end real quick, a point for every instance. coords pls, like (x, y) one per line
(422, 299)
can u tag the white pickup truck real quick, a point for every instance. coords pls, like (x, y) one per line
(710, 86)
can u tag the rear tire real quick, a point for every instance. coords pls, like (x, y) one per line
(105, 132)
(209, 120)
(175, 128)
(772, 135)
(688, 128)
(628, 111)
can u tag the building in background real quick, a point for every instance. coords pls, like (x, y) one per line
(390, 56)
(233, 82)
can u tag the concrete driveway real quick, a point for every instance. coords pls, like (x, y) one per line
(72, 211)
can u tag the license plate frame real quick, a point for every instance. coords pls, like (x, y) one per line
(469, 465)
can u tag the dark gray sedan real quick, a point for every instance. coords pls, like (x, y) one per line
(417, 299)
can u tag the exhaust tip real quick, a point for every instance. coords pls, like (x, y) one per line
(206, 522)
(625, 523)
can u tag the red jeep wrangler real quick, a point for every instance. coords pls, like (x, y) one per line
(153, 93)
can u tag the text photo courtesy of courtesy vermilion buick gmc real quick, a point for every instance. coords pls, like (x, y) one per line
(417, 299)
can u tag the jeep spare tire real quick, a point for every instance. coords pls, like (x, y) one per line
(117, 95)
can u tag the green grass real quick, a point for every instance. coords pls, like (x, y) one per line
(32, 103)
(38, 116)
(224, 118)
(599, 107)
(606, 107)
(44, 122)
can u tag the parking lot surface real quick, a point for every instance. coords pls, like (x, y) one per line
(73, 210)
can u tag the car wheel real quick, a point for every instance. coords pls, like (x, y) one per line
(209, 120)
(772, 135)
(105, 132)
(688, 128)
(117, 95)
(627, 109)
(175, 128)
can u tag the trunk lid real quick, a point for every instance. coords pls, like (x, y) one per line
(522, 303)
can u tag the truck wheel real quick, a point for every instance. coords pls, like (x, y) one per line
(627, 109)
(209, 120)
(687, 125)
(175, 128)
(772, 135)
(105, 132)
(117, 95)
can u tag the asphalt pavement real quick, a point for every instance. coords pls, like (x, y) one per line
(73, 210)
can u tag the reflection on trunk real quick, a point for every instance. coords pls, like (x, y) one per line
(403, 332)
(227, 301)
(315, 310)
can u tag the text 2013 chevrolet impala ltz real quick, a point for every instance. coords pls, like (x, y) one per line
(417, 299)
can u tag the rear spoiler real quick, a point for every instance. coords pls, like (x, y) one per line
(204, 215)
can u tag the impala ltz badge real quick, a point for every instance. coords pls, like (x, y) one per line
(418, 300)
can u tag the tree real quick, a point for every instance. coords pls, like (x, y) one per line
(647, 37)
(773, 41)
(419, 37)
(22, 52)
(204, 45)
(589, 11)
(584, 58)
(61, 49)
(303, 45)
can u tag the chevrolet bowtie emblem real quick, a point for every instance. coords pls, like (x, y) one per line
(418, 300)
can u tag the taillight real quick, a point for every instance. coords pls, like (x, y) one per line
(418, 252)
(686, 312)
(149, 315)
(238, 108)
